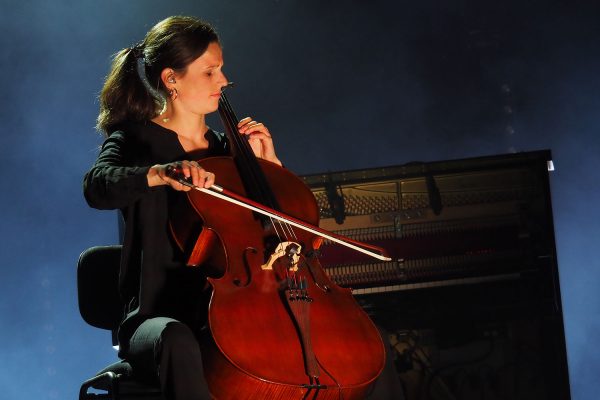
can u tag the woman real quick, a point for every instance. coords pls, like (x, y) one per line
(152, 110)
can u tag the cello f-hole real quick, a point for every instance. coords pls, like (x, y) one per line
(246, 281)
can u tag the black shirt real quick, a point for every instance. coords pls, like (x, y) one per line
(153, 278)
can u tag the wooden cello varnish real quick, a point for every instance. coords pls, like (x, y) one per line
(281, 329)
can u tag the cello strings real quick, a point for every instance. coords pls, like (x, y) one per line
(245, 151)
(281, 228)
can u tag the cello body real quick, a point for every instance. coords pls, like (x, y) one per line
(279, 327)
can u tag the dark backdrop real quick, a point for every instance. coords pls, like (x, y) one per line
(341, 84)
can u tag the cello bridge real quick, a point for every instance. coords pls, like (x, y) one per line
(288, 252)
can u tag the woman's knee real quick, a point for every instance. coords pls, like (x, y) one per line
(178, 335)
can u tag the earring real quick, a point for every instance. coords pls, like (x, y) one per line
(173, 93)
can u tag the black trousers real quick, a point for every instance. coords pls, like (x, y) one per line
(168, 349)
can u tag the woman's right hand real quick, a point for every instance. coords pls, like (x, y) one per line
(158, 175)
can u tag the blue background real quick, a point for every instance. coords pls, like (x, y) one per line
(341, 85)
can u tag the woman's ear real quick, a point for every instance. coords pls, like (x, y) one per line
(167, 76)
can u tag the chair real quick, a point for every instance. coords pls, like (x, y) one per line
(100, 305)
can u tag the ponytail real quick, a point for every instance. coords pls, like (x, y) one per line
(124, 96)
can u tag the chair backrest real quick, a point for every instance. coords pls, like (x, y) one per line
(98, 286)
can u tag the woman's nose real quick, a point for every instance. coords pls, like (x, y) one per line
(224, 82)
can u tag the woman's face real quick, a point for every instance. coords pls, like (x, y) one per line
(199, 88)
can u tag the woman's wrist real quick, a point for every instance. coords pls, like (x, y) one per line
(153, 176)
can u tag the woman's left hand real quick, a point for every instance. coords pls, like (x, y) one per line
(259, 138)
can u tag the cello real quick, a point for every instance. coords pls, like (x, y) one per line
(279, 327)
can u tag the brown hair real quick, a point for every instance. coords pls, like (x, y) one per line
(133, 90)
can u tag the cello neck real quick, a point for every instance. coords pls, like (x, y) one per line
(249, 169)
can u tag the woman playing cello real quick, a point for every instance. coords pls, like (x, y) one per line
(145, 134)
(152, 111)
